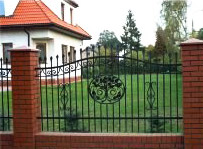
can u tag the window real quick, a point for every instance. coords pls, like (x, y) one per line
(72, 54)
(42, 47)
(71, 15)
(64, 53)
(69, 57)
(6, 54)
(62, 11)
(88, 53)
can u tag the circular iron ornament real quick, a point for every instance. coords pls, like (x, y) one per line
(106, 89)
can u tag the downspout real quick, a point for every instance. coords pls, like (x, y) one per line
(28, 36)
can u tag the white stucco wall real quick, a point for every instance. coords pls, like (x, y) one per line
(15, 37)
(61, 39)
(55, 6)
(54, 41)
(18, 38)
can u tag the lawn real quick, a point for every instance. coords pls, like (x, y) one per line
(130, 114)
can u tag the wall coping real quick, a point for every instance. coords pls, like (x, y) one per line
(24, 49)
(192, 41)
(108, 134)
(6, 133)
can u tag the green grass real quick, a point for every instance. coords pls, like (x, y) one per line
(133, 104)
(168, 102)
(6, 110)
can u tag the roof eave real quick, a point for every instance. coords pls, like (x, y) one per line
(75, 34)
(48, 25)
(72, 3)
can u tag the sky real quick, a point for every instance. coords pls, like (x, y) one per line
(97, 15)
(2, 11)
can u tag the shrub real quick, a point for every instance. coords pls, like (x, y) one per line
(72, 123)
(90, 72)
(156, 125)
(4, 123)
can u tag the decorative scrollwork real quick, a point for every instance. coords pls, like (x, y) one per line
(106, 89)
(151, 95)
(5, 73)
(64, 69)
(64, 96)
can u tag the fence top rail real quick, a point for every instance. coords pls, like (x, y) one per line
(108, 57)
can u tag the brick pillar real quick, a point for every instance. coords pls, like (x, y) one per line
(192, 61)
(25, 92)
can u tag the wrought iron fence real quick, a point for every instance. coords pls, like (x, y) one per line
(110, 93)
(6, 96)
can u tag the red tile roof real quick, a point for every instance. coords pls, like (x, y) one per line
(34, 12)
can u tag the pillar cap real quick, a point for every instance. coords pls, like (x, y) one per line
(192, 41)
(24, 49)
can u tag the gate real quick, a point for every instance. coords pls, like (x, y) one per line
(106, 92)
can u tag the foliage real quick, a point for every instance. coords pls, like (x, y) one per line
(194, 34)
(197, 34)
(108, 39)
(150, 51)
(105, 64)
(106, 51)
(4, 123)
(174, 15)
(149, 48)
(156, 125)
(160, 44)
(200, 34)
(72, 123)
(131, 37)
(89, 72)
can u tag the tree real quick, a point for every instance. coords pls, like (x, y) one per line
(131, 37)
(149, 49)
(160, 44)
(194, 34)
(174, 15)
(108, 39)
(200, 34)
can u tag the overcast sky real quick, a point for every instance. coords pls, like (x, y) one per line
(98, 15)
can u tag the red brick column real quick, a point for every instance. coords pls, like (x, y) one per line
(192, 60)
(25, 92)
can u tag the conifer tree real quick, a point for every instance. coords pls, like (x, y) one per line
(160, 44)
(131, 37)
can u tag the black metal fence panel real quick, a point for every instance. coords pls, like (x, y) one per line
(6, 96)
(106, 91)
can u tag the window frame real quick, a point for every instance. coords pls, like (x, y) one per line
(62, 11)
(72, 54)
(71, 15)
(42, 43)
(4, 58)
(66, 53)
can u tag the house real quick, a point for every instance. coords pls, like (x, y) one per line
(89, 52)
(41, 24)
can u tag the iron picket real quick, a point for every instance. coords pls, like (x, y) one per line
(106, 92)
